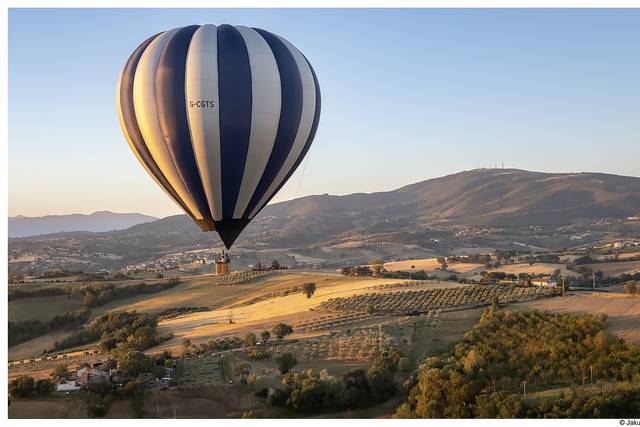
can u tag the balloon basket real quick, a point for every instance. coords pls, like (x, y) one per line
(223, 262)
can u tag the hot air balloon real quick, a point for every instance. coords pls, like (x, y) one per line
(220, 117)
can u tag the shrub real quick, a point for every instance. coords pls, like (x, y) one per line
(259, 354)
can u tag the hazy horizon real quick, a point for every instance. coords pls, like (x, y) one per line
(540, 90)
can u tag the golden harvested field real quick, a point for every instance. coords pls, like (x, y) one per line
(468, 269)
(42, 308)
(203, 326)
(536, 268)
(200, 292)
(197, 291)
(431, 265)
(623, 311)
(629, 255)
(426, 264)
(616, 268)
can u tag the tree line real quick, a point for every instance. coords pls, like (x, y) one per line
(124, 330)
(21, 331)
(311, 391)
(485, 374)
(92, 296)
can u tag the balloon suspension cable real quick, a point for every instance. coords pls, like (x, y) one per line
(304, 168)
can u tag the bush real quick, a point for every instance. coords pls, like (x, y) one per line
(259, 354)
(404, 365)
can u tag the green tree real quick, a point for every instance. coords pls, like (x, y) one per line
(357, 389)
(44, 387)
(21, 387)
(143, 338)
(286, 362)
(380, 380)
(309, 289)
(265, 335)
(60, 372)
(250, 339)
(186, 345)
(281, 330)
(133, 363)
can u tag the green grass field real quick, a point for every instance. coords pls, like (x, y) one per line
(560, 392)
(434, 339)
(42, 308)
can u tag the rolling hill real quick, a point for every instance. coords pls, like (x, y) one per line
(502, 197)
(482, 197)
(433, 215)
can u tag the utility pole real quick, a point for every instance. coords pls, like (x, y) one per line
(593, 275)
(591, 369)
(563, 290)
(380, 338)
(524, 388)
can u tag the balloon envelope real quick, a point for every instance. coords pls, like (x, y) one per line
(220, 117)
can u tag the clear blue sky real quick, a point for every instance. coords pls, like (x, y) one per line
(407, 95)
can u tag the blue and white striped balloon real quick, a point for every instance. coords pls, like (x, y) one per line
(220, 117)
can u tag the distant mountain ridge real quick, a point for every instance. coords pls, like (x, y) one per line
(23, 226)
(465, 211)
(494, 197)
(480, 197)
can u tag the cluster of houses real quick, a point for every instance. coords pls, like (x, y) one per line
(93, 373)
(96, 373)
